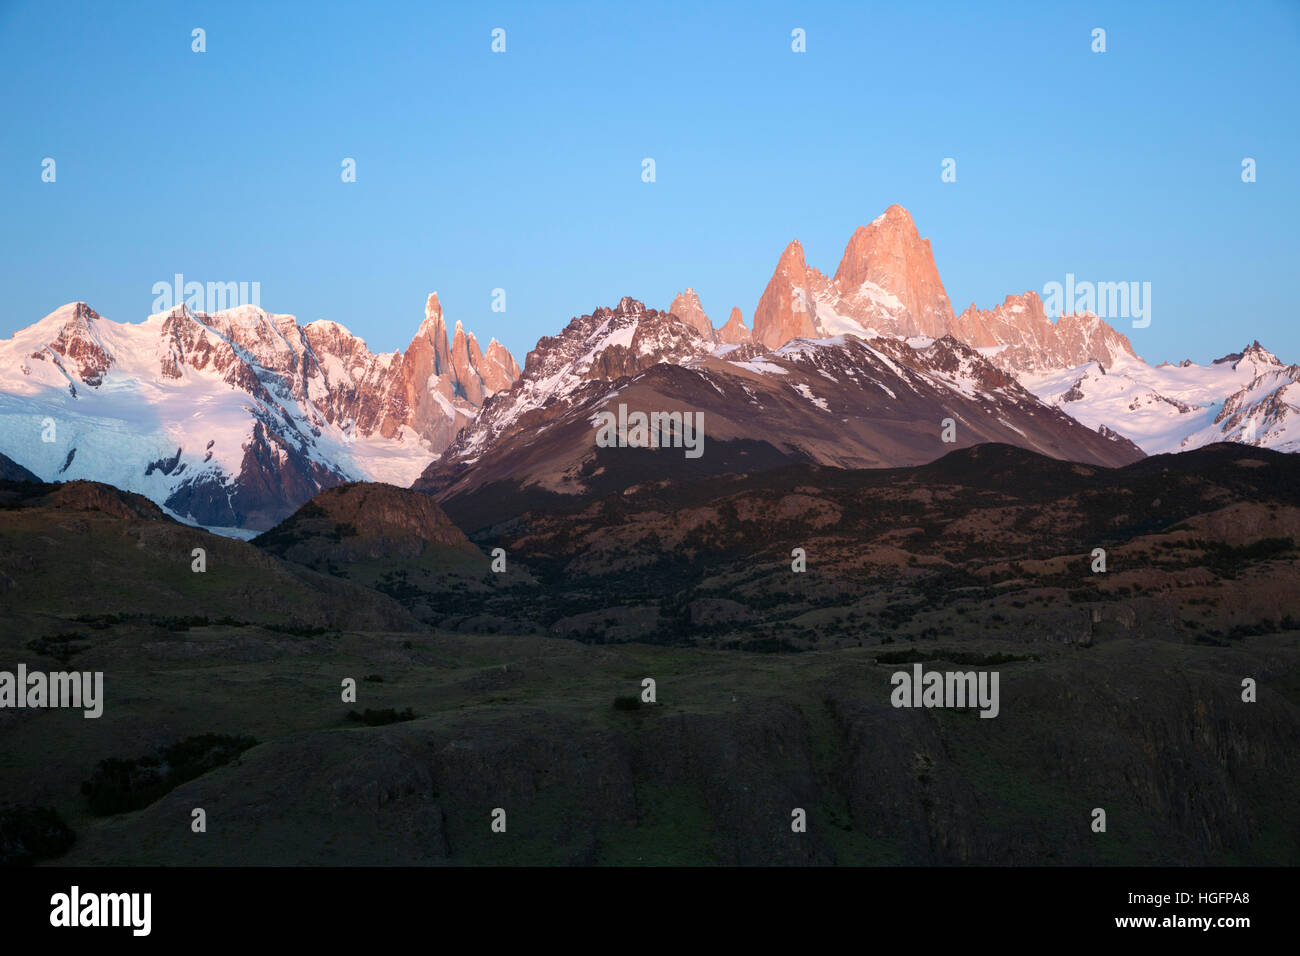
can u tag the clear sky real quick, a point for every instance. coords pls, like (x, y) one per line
(523, 170)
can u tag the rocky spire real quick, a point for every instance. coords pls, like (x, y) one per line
(734, 331)
(686, 306)
(889, 259)
(1034, 342)
(784, 311)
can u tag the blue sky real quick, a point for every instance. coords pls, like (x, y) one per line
(522, 170)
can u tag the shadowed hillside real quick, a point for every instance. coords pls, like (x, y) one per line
(990, 540)
(1120, 689)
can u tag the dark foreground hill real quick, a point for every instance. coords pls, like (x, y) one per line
(82, 551)
(1154, 733)
(365, 521)
(1120, 690)
(990, 540)
(10, 470)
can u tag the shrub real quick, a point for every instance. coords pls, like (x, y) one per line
(119, 786)
(377, 718)
(100, 621)
(29, 834)
(59, 646)
(972, 659)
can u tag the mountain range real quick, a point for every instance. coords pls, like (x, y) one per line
(233, 419)
(844, 401)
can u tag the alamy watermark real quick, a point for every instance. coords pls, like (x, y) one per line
(77, 909)
(205, 297)
(959, 689)
(75, 689)
(1106, 300)
(652, 430)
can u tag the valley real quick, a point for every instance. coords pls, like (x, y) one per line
(521, 690)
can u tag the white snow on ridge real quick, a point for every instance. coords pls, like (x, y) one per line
(886, 300)
(395, 462)
(127, 431)
(833, 324)
(1173, 408)
(447, 407)
(806, 392)
(799, 348)
(761, 365)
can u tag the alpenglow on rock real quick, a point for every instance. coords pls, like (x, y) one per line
(734, 331)
(845, 401)
(887, 283)
(233, 419)
(686, 306)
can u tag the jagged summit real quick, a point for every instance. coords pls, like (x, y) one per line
(231, 419)
(734, 331)
(887, 283)
(844, 401)
(686, 306)
(785, 310)
(1251, 353)
(1027, 340)
(234, 417)
(628, 306)
(888, 260)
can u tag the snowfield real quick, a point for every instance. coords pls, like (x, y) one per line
(132, 426)
(1178, 407)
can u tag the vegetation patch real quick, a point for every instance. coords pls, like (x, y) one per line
(120, 786)
(29, 834)
(378, 718)
(59, 646)
(913, 656)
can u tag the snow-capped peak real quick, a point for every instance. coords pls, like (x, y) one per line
(232, 418)
(1253, 354)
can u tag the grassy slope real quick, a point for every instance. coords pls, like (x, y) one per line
(710, 774)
